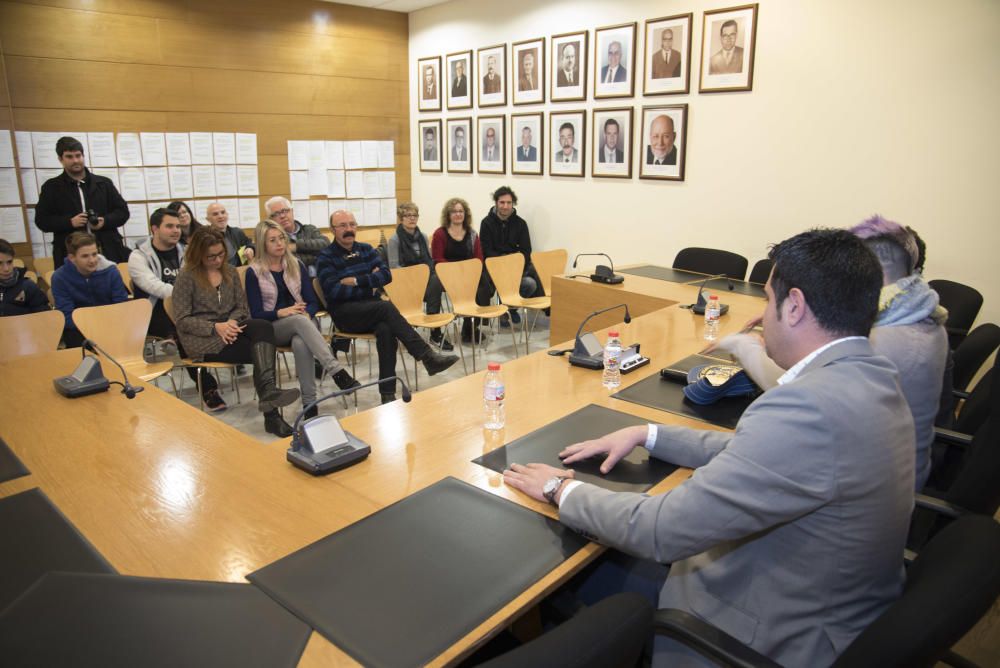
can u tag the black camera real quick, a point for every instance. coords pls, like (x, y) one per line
(92, 219)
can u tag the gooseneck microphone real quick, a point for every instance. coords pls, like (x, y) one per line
(587, 351)
(601, 273)
(699, 306)
(128, 389)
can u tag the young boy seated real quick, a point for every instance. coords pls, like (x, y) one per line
(86, 279)
(18, 295)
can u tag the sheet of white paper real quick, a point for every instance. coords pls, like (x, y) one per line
(246, 177)
(334, 151)
(369, 154)
(178, 148)
(204, 180)
(44, 149)
(298, 155)
(25, 154)
(232, 206)
(29, 184)
(357, 207)
(154, 148)
(386, 155)
(355, 184)
(201, 208)
(372, 186)
(388, 211)
(133, 184)
(373, 212)
(6, 149)
(181, 182)
(201, 148)
(352, 155)
(138, 220)
(317, 155)
(9, 192)
(299, 185)
(157, 183)
(129, 149)
(335, 183)
(35, 235)
(101, 149)
(301, 212)
(246, 148)
(338, 205)
(387, 183)
(12, 225)
(224, 148)
(317, 181)
(319, 210)
(250, 213)
(225, 181)
(111, 173)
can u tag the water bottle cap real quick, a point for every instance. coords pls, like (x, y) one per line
(614, 333)
(713, 296)
(493, 366)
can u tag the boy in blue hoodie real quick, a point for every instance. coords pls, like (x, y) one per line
(18, 295)
(86, 279)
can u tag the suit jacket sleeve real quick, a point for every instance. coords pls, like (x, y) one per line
(47, 215)
(749, 352)
(118, 212)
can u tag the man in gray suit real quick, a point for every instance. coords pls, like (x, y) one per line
(789, 535)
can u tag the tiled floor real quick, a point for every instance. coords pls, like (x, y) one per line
(245, 416)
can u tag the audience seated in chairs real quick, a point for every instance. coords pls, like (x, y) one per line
(455, 241)
(350, 273)
(18, 295)
(408, 247)
(86, 279)
(280, 291)
(154, 267)
(214, 324)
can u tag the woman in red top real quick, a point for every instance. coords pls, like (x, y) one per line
(455, 241)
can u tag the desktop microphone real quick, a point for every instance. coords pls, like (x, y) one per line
(128, 389)
(601, 273)
(320, 445)
(87, 378)
(587, 350)
(699, 306)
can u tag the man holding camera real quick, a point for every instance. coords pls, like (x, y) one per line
(79, 201)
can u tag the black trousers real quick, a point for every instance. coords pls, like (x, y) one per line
(160, 325)
(238, 352)
(384, 320)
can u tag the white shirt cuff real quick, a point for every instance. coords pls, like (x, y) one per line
(568, 487)
(651, 436)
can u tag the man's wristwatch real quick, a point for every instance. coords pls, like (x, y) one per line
(552, 487)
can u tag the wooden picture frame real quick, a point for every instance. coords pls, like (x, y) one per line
(492, 74)
(527, 158)
(458, 67)
(614, 127)
(460, 146)
(492, 128)
(614, 61)
(429, 84)
(568, 132)
(667, 56)
(430, 145)
(527, 67)
(568, 69)
(662, 135)
(728, 43)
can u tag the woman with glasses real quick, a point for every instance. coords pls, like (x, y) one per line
(189, 224)
(214, 324)
(408, 247)
(454, 241)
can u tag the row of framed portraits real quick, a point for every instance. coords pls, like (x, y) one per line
(727, 55)
(658, 144)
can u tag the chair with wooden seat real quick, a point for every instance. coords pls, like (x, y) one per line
(44, 265)
(505, 272)
(712, 261)
(31, 334)
(406, 292)
(126, 277)
(547, 264)
(120, 329)
(460, 281)
(186, 362)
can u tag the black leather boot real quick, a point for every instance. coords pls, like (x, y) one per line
(275, 424)
(435, 362)
(269, 396)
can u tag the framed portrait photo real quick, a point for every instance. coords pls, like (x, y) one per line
(527, 143)
(728, 42)
(429, 76)
(662, 142)
(458, 67)
(614, 61)
(527, 61)
(667, 58)
(430, 145)
(492, 75)
(459, 132)
(491, 144)
(611, 156)
(568, 74)
(568, 130)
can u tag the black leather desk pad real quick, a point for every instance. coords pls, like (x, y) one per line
(78, 619)
(662, 273)
(720, 286)
(402, 585)
(636, 473)
(35, 538)
(10, 466)
(668, 395)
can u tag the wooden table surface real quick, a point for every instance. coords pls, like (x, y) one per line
(162, 489)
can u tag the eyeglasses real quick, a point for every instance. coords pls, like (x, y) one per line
(411, 215)
(344, 226)
(280, 212)
(216, 256)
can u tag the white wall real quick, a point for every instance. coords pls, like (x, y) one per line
(857, 107)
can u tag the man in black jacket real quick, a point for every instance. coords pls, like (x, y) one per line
(65, 201)
(503, 232)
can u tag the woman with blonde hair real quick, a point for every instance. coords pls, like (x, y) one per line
(214, 323)
(280, 291)
(454, 241)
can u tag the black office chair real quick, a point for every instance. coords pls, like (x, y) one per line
(949, 587)
(608, 633)
(973, 352)
(963, 304)
(761, 271)
(712, 261)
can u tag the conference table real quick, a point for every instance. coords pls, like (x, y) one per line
(164, 490)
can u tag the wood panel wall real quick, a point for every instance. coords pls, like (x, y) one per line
(283, 69)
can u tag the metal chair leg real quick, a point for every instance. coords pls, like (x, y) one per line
(458, 343)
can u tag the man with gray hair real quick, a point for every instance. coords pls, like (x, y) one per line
(307, 240)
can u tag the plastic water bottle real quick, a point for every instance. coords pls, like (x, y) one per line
(612, 361)
(712, 313)
(493, 396)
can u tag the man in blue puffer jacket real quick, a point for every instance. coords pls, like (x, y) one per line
(86, 279)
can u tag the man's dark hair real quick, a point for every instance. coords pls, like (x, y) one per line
(608, 122)
(6, 248)
(68, 144)
(728, 23)
(78, 240)
(157, 216)
(568, 126)
(921, 250)
(504, 190)
(839, 276)
(428, 132)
